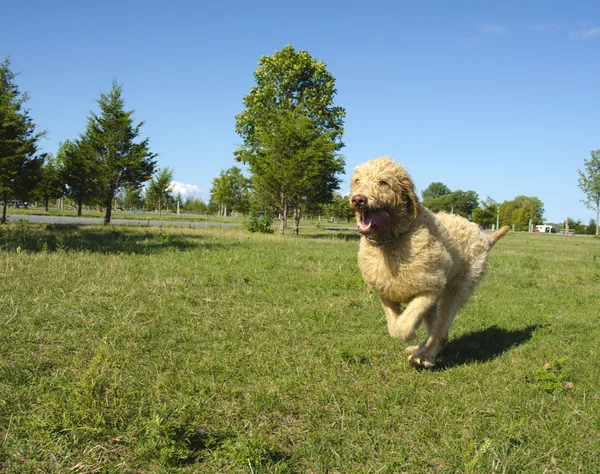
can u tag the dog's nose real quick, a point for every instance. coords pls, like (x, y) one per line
(359, 200)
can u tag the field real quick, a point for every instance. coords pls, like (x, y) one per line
(130, 350)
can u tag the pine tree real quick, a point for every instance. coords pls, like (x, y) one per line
(19, 165)
(120, 159)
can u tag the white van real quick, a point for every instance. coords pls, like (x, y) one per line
(545, 228)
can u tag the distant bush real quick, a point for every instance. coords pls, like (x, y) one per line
(256, 224)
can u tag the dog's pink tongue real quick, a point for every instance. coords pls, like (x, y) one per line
(378, 219)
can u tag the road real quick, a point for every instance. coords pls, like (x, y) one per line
(137, 222)
(99, 221)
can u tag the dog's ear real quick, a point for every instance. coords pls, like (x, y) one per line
(412, 201)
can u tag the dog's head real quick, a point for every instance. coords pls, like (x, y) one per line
(383, 197)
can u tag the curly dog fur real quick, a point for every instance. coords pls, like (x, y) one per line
(431, 263)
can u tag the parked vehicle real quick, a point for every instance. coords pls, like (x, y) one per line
(545, 228)
(18, 204)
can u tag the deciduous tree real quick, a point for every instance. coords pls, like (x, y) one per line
(230, 190)
(589, 183)
(520, 210)
(438, 197)
(435, 190)
(486, 213)
(300, 166)
(293, 95)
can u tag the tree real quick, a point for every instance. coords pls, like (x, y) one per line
(230, 190)
(121, 160)
(194, 205)
(79, 171)
(438, 197)
(299, 168)
(159, 191)
(19, 165)
(293, 94)
(486, 213)
(340, 209)
(50, 184)
(591, 228)
(435, 190)
(133, 198)
(520, 210)
(589, 183)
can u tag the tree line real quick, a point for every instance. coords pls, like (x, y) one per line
(291, 133)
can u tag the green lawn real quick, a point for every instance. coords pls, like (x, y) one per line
(215, 350)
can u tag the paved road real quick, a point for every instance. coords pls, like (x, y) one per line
(99, 221)
(139, 222)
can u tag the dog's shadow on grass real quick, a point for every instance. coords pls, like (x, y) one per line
(482, 346)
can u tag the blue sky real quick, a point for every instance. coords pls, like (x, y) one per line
(502, 98)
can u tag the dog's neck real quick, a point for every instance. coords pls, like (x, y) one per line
(385, 241)
(382, 242)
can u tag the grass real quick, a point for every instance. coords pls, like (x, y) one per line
(216, 350)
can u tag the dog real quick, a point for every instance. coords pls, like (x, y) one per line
(428, 262)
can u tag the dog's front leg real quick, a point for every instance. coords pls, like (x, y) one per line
(403, 325)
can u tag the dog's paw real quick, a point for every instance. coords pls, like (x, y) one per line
(420, 361)
(412, 349)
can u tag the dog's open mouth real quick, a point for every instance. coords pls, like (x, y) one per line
(374, 220)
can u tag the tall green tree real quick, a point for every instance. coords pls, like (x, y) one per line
(438, 197)
(300, 168)
(520, 210)
(589, 183)
(294, 88)
(231, 190)
(19, 165)
(133, 198)
(122, 160)
(194, 205)
(435, 190)
(50, 184)
(79, 171)
(339, 208)
(159, 192)
(485, 214)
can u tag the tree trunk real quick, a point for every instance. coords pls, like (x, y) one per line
(3, 220)
(79, 206)
(46, 201)
(296, 220)
(283, 216)
(597, 217)
(108, 209)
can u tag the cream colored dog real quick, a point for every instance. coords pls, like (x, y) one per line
(429, 262)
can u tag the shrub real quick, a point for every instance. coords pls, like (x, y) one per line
(256, 224)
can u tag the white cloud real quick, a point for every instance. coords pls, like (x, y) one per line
(583, 34)
(491, 29)
(185, 189)
(552, 27)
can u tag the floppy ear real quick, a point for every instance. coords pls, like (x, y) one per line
(412, 201)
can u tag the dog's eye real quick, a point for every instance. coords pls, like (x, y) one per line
(383, 183)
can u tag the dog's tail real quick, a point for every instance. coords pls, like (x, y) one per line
(495, 237)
